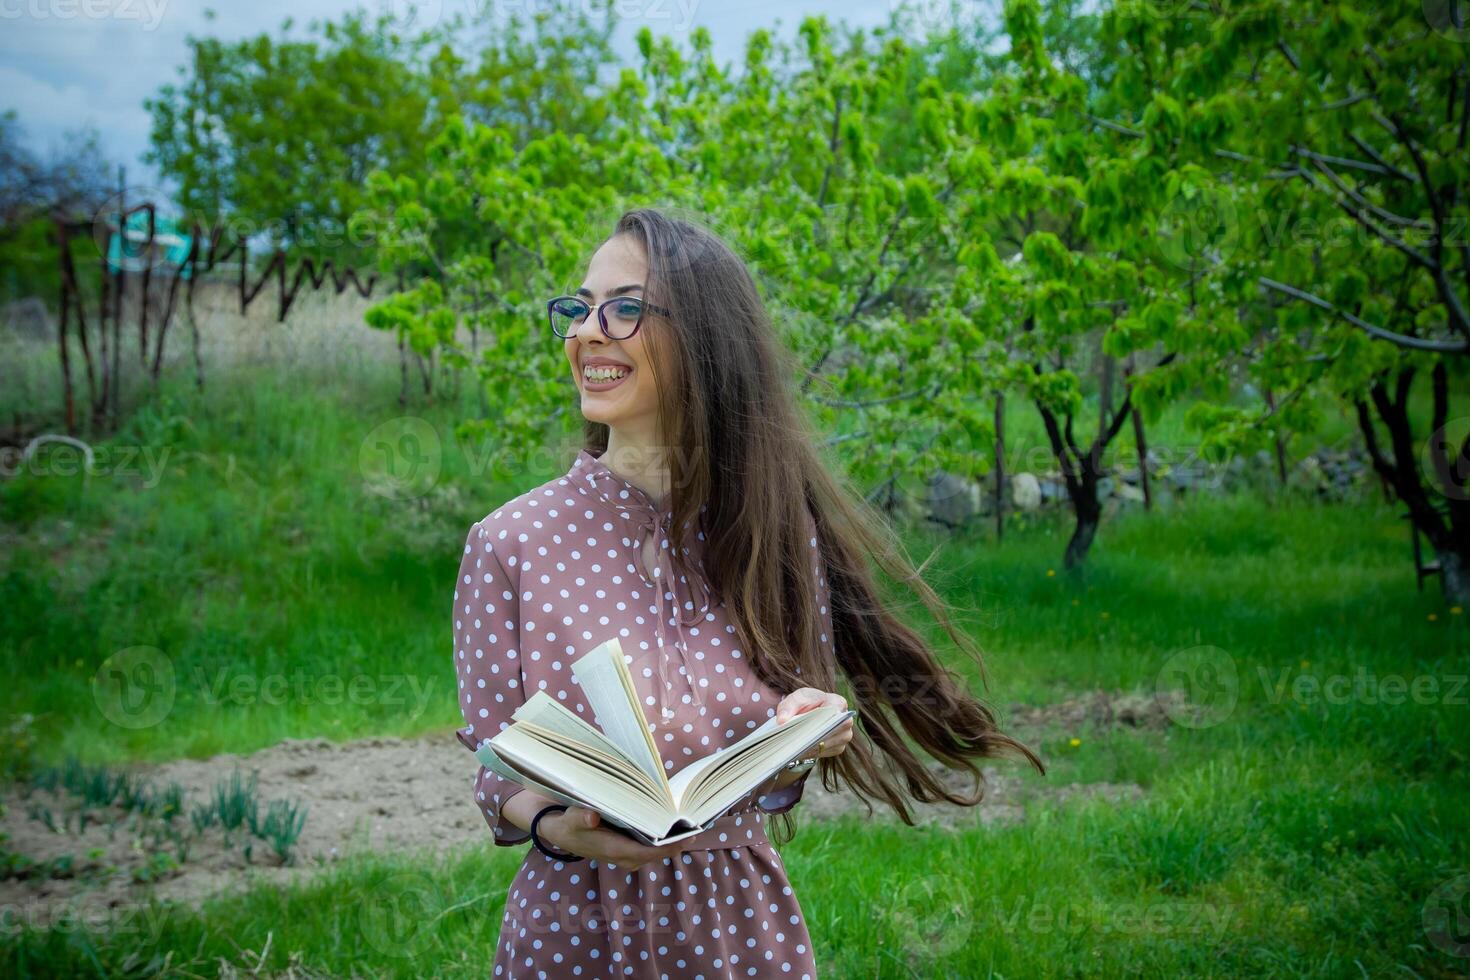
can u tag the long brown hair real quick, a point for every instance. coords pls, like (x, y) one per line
(742, 448)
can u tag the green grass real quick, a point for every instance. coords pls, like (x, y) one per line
(287, 597)
(1297, 837)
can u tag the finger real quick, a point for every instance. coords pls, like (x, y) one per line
(633, 853)
(798, 701)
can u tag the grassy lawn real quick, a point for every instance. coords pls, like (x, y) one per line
(1297, 833)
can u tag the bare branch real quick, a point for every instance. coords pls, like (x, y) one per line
(1351, 100)
(1363, 202)
(929, 390)
(1402, 340)
(1388, 168)
(1459, 316)
(1116, 127)
(1371, 168)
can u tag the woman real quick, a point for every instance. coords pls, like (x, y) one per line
(700, 527)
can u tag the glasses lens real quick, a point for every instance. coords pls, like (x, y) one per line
(622, 316)
(566, 314)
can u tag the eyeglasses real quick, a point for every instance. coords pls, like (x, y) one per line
(566, 314)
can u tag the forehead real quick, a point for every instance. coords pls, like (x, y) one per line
(618, 262)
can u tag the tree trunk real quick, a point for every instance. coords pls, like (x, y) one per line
(1438, 501)
(1280, 444)
(1088, 511)
(402, 370)
(1000, 465)
(1140, 442)
(1080, 471)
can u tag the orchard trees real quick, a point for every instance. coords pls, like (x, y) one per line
(1348, 168)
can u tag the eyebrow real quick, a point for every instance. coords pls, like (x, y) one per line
(584, 291)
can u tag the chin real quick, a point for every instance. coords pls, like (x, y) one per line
(594, 410)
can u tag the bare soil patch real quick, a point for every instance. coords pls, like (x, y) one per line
(392, 795)
(1104, 710)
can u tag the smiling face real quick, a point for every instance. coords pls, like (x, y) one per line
(626, 401)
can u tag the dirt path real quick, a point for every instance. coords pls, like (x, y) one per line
(396, 796)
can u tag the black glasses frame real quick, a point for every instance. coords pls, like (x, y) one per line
(643, 307)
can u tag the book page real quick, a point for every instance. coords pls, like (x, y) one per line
(685, 781)
(613, 764)
(604, 678)
(544, 710)
(522, 751)
(500, 767)
(742, 767)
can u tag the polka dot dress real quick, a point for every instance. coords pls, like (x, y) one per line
(545, 578)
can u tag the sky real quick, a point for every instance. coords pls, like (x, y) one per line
(69, 64)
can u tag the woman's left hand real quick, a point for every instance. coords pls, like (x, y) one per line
(807, 698)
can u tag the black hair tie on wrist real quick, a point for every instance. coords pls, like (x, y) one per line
(536, 840)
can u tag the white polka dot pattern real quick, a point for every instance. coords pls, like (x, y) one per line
(546, 577)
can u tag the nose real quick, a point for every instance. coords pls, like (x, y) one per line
(590, 329)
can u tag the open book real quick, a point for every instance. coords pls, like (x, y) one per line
(618, 772)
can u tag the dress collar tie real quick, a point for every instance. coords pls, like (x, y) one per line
(681, 590)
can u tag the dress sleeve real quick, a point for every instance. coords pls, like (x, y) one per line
(487, 666)
(783, 799)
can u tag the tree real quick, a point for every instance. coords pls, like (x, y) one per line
(1088, 273)
(279, 134)
(1349, 158)
(34, 192)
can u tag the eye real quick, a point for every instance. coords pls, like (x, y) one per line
(575, 309)
(627, 309)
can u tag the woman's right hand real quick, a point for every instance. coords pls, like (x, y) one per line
(580, 831)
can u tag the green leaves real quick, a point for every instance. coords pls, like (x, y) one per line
(1163, 122)
(1046, 253)
(860, 151)
(918, 196)
(947, 215)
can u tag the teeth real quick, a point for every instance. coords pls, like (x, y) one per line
(603, 373)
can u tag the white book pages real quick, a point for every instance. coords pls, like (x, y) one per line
(604, 678)
(544, 710)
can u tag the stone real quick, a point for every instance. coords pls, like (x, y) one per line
(1025, 492)
(953, 500)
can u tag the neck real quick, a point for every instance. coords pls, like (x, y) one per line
(642, 462)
